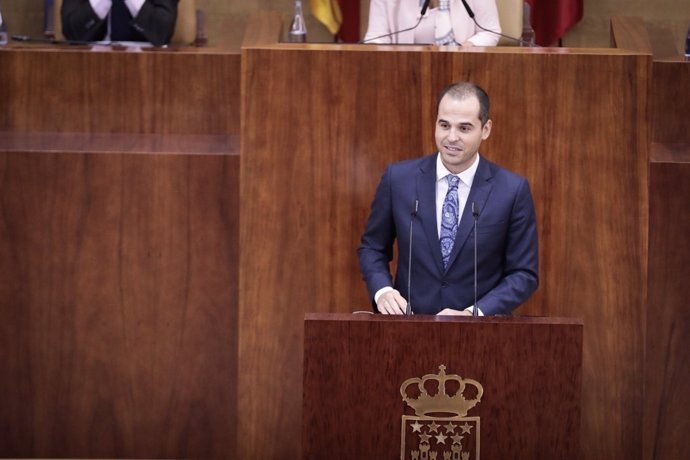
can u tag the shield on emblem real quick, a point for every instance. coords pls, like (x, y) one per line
(440, 428)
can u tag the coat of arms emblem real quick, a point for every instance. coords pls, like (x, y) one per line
(440, 428)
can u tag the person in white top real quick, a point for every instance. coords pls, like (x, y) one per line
(390, 16)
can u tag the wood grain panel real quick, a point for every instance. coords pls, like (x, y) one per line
(354, 366)
(186, 144)
(118, 291)
(311, 156)
(668, 324)
(321, 123)
(669, 101)
(113, 91)
(630, 33)
(263, 28)
(574, 184)
(668, 319)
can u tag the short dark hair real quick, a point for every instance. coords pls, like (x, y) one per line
(464, 89)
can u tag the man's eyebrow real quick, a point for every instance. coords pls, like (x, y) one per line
(462, 123)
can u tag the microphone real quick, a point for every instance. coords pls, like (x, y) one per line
(475, 214)
(425, 6)
(408, 311)
(470, 13)
(55, 41)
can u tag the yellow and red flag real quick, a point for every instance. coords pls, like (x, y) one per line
(328, 13)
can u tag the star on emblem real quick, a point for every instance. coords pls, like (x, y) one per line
(466, 428)
(441, 438)
(433, 428)
(449, 427)
(424, 438)
(416, 426)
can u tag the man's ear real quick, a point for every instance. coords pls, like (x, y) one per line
(486, 130)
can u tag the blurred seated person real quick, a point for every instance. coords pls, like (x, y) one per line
(446, 22)
(119, 20)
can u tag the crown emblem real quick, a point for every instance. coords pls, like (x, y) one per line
(440, 394)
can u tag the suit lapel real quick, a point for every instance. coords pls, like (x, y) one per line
(426, 191)
(479, 193)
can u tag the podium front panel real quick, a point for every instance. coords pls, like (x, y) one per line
(354, 366)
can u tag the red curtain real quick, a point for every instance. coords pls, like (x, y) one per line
(551, 19)
(349, 29)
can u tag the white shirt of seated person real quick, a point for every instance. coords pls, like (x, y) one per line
(485, 12)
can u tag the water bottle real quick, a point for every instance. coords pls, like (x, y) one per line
(527, 30)
(3, 29)
(298, 29)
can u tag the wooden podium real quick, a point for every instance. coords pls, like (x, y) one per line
(529, 369)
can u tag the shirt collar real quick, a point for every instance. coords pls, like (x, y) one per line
(467, 176)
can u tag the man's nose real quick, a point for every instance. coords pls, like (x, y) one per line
(454, 134)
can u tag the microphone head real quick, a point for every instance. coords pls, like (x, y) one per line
(470, 13)
(475, 210)
(425, 7)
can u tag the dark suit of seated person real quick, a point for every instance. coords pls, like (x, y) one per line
(119, 20)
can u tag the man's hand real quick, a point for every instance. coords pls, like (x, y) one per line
(451, 312)
(392, 303)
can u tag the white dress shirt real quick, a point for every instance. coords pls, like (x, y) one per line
(464, 186)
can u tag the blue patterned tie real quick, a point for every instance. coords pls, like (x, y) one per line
(449, 218)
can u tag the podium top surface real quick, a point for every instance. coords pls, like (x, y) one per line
(367, 316)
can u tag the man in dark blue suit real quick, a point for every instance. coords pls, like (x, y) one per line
(442, 188)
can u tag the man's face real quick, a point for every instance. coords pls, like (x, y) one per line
(459, 132)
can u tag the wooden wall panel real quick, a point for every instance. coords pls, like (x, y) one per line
(331, 136)
(669, 102)
(118, 292)
(155, 91)
(322, 122)
(667, 364)
(668, 320)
